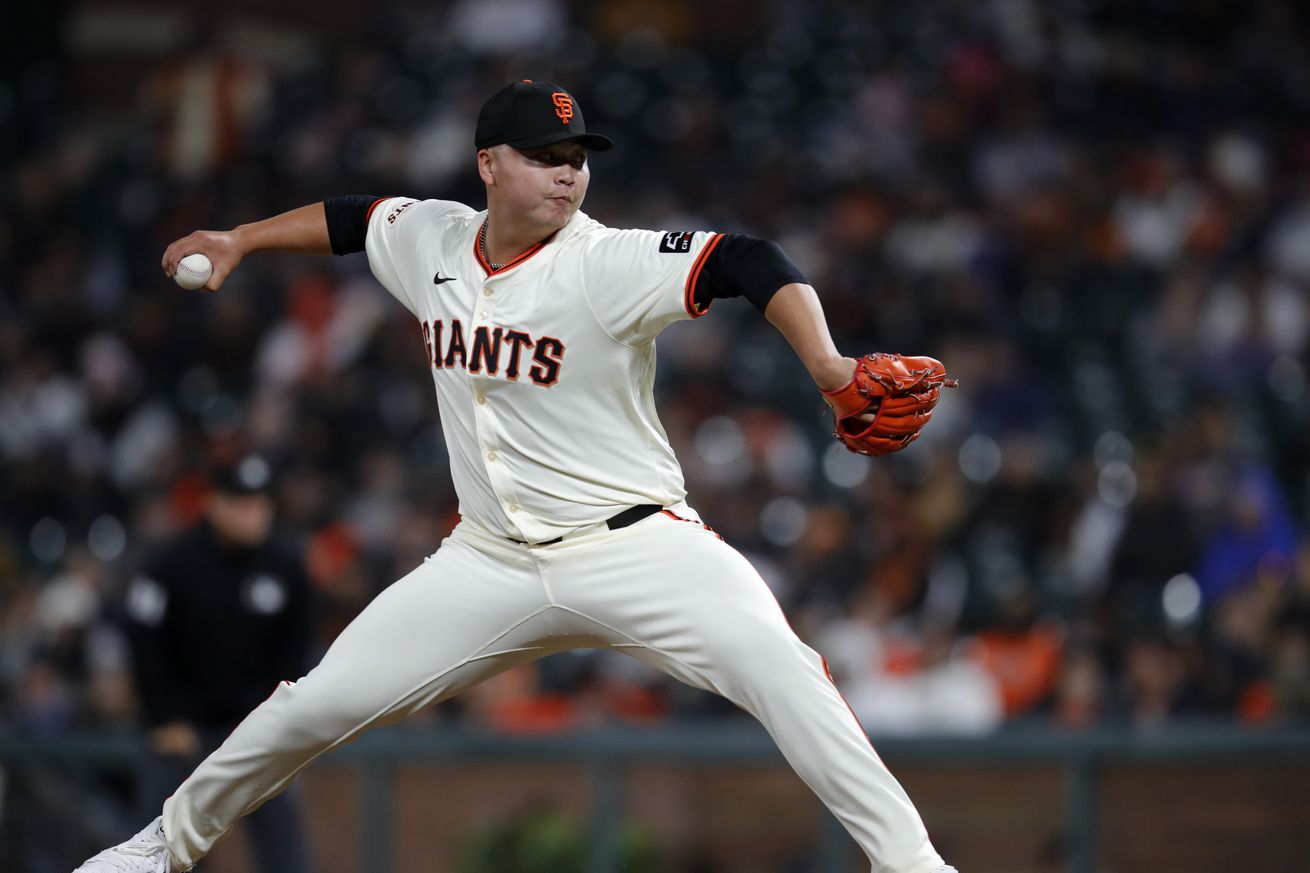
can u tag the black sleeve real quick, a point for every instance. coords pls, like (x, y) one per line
(347, 221)
(743, 266)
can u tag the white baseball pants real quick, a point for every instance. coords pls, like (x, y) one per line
(666, 590)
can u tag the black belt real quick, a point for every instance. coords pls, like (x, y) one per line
(631, 515)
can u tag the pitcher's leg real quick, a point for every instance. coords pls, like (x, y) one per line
(694, 607)
(457, 619)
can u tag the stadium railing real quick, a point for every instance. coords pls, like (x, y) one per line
(605, 754)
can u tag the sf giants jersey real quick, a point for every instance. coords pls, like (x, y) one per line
(543, 368)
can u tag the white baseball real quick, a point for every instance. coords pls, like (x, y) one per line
(193, 272)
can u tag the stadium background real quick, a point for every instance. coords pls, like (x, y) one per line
(1097, 213)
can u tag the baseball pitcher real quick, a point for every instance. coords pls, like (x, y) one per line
(539, 327)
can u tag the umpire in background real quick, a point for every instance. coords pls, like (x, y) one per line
(217, 618)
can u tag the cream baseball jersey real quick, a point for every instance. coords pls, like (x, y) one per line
(544, 367)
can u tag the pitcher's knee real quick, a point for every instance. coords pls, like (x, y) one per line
(754, 660)
(305, 714)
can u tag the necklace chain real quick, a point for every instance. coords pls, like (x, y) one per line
(482, 246)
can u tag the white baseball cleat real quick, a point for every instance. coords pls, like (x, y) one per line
(145, 853)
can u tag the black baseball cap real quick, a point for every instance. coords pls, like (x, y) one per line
(528, 114)
(249, 474)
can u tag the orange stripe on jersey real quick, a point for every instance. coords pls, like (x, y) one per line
(833, 682)
(690, 299)
(372, 206)
(677, 517)
(486, 267)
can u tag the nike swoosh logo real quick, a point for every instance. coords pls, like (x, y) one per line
(437, 280)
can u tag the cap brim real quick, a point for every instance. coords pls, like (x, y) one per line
(590, 141)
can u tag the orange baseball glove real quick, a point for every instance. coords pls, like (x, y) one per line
(887, 403)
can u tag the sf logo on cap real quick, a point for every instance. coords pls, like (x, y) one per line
(563, 106)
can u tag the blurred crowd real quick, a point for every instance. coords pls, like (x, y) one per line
(1096, 212)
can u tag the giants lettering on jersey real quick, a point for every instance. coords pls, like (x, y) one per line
(492, 350)
(395, 213)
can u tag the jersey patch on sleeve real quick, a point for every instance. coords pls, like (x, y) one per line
(676, 242)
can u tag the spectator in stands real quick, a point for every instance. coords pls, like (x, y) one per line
(1097, 250)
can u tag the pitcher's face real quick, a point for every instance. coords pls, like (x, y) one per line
(543, 185)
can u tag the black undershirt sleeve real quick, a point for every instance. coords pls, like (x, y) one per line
(347, 221)
(743, 266)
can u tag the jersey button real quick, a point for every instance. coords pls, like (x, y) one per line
(483, 315)
(486, 292)
(481, 399)
(513, 507)
(491, 456)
